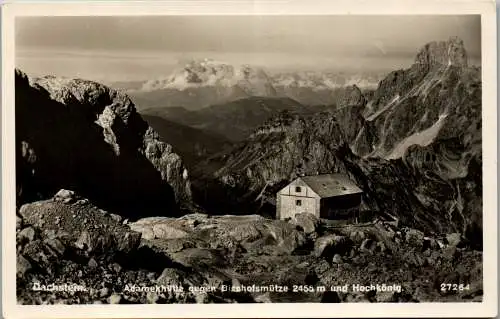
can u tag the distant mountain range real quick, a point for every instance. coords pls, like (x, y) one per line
(203, 83)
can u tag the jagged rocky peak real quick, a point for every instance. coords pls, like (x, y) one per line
(98, 145)
(284, 121)
(21, 77)
(352, 96)
(450, 52)
(102, 101)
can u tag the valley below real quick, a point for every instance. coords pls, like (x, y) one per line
(137, 201)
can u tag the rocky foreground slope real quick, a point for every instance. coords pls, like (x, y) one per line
(83, 136)
(67, 240)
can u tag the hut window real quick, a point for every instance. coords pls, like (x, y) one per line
(298, 189)
(298, 202)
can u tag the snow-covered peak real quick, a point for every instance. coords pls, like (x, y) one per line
(212, 73)
(325, 80)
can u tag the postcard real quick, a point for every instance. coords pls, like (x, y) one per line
(249, 159)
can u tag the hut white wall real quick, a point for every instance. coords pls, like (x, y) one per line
(286, 204)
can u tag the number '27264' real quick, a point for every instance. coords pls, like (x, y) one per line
(454, 287)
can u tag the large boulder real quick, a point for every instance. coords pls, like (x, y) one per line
(454, 239)
(415, 238)
(158, 227)
(330, 245)
(22, 265)
(308, 222)
(195, 257)
(82, 226)
(232, 233)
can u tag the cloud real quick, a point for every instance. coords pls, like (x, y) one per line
(146, 46)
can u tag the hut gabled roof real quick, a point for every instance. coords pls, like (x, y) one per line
(331, 185)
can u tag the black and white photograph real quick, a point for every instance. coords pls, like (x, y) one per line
(216, 159)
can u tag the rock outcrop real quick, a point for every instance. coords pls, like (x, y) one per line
(193, 145)
(80, 224)
(83, 136)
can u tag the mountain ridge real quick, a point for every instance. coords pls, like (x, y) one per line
(97, 145)
(234, 120)
(413, 164)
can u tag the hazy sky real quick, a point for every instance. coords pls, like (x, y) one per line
(136, 48)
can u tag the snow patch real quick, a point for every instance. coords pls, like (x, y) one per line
(422, 138)
(383, 109)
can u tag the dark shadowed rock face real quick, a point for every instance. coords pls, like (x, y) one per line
(83, 136)
(192, 144)
(414, 147)
(357, 130)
